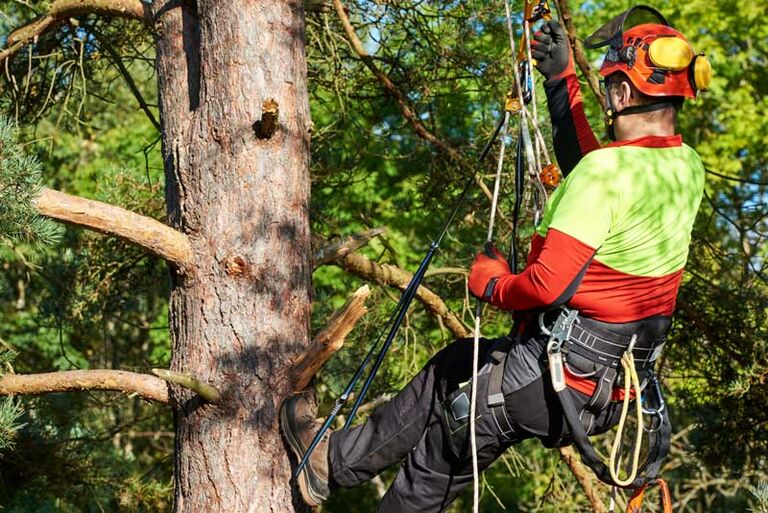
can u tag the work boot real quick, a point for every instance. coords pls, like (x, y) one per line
(299, 425)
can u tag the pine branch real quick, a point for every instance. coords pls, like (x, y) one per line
(10, 413)
(328, 252)
(584, 477)
(62, 10)
(152, 235)
(204, 390)
(20, 178)
(393, 276)
(410, 115)
(578, 50)
(144, 385)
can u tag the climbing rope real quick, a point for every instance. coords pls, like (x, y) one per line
(631, 380)
(535, 153)
(478, 312)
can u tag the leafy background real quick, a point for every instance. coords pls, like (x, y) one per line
(87, 301)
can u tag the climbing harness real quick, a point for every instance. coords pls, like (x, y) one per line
(592, 351)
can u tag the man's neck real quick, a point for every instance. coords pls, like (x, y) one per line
(636, 126)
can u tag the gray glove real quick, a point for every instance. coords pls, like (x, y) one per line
(551, 49)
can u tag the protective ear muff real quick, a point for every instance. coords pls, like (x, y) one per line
(701, 72)
(670, 53)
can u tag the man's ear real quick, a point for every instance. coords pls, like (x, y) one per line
(624, 94)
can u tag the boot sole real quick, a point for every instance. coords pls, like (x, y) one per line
(308, 493)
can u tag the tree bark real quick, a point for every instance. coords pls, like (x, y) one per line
(241, 315)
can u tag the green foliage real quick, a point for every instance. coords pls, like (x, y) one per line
(760, 493)
(96, 302)
(20, 177)
(10, 414)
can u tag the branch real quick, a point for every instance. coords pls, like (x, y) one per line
(204, 390)
(144, 385)
(578, 50)
(118, 62)
(330, 339)
(62, 10)
(152, 235)
(584, 477)
(344, 247)
(408, 113)
(396, 277)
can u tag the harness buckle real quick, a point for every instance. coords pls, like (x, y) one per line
(558, 335)
(561, 329)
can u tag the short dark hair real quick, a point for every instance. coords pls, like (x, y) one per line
(638, 97)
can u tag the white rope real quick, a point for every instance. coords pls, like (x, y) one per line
(478, 312)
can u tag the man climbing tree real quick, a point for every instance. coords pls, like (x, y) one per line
(593, 306)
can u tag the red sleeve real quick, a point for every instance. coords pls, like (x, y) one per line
(551, 276)
(572, 136)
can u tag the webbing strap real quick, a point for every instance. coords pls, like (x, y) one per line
(600, 397)
(495, 397)
(659, 445)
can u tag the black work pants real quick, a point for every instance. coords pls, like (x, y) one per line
(411, 428)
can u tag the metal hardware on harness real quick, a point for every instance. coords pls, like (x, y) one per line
(558, 335)
(655, 413)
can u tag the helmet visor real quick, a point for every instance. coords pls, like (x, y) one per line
(612, 32)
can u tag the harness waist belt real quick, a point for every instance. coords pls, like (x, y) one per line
(604, 347)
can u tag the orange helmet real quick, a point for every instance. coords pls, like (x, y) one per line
(657, 59)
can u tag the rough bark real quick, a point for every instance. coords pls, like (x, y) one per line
(241, 316)
(146, 386)
(154, 236)
(330, 339)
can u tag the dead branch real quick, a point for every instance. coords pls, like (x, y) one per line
(393, 276)
(62, 10)
(118, 62)
(411, 116)
(330, 339)
(204, 390)
(144, 385)
(578, 50)
(584, 477)
(347, 245)
(152, 235)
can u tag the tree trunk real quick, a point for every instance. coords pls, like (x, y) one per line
(239, 188)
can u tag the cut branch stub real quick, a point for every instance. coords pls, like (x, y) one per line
(205, 391)
(265, 127)
(330, 339)
(152, 235)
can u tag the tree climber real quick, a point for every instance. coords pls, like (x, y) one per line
(610, 250)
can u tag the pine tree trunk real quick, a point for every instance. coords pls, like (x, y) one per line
(241, 313)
